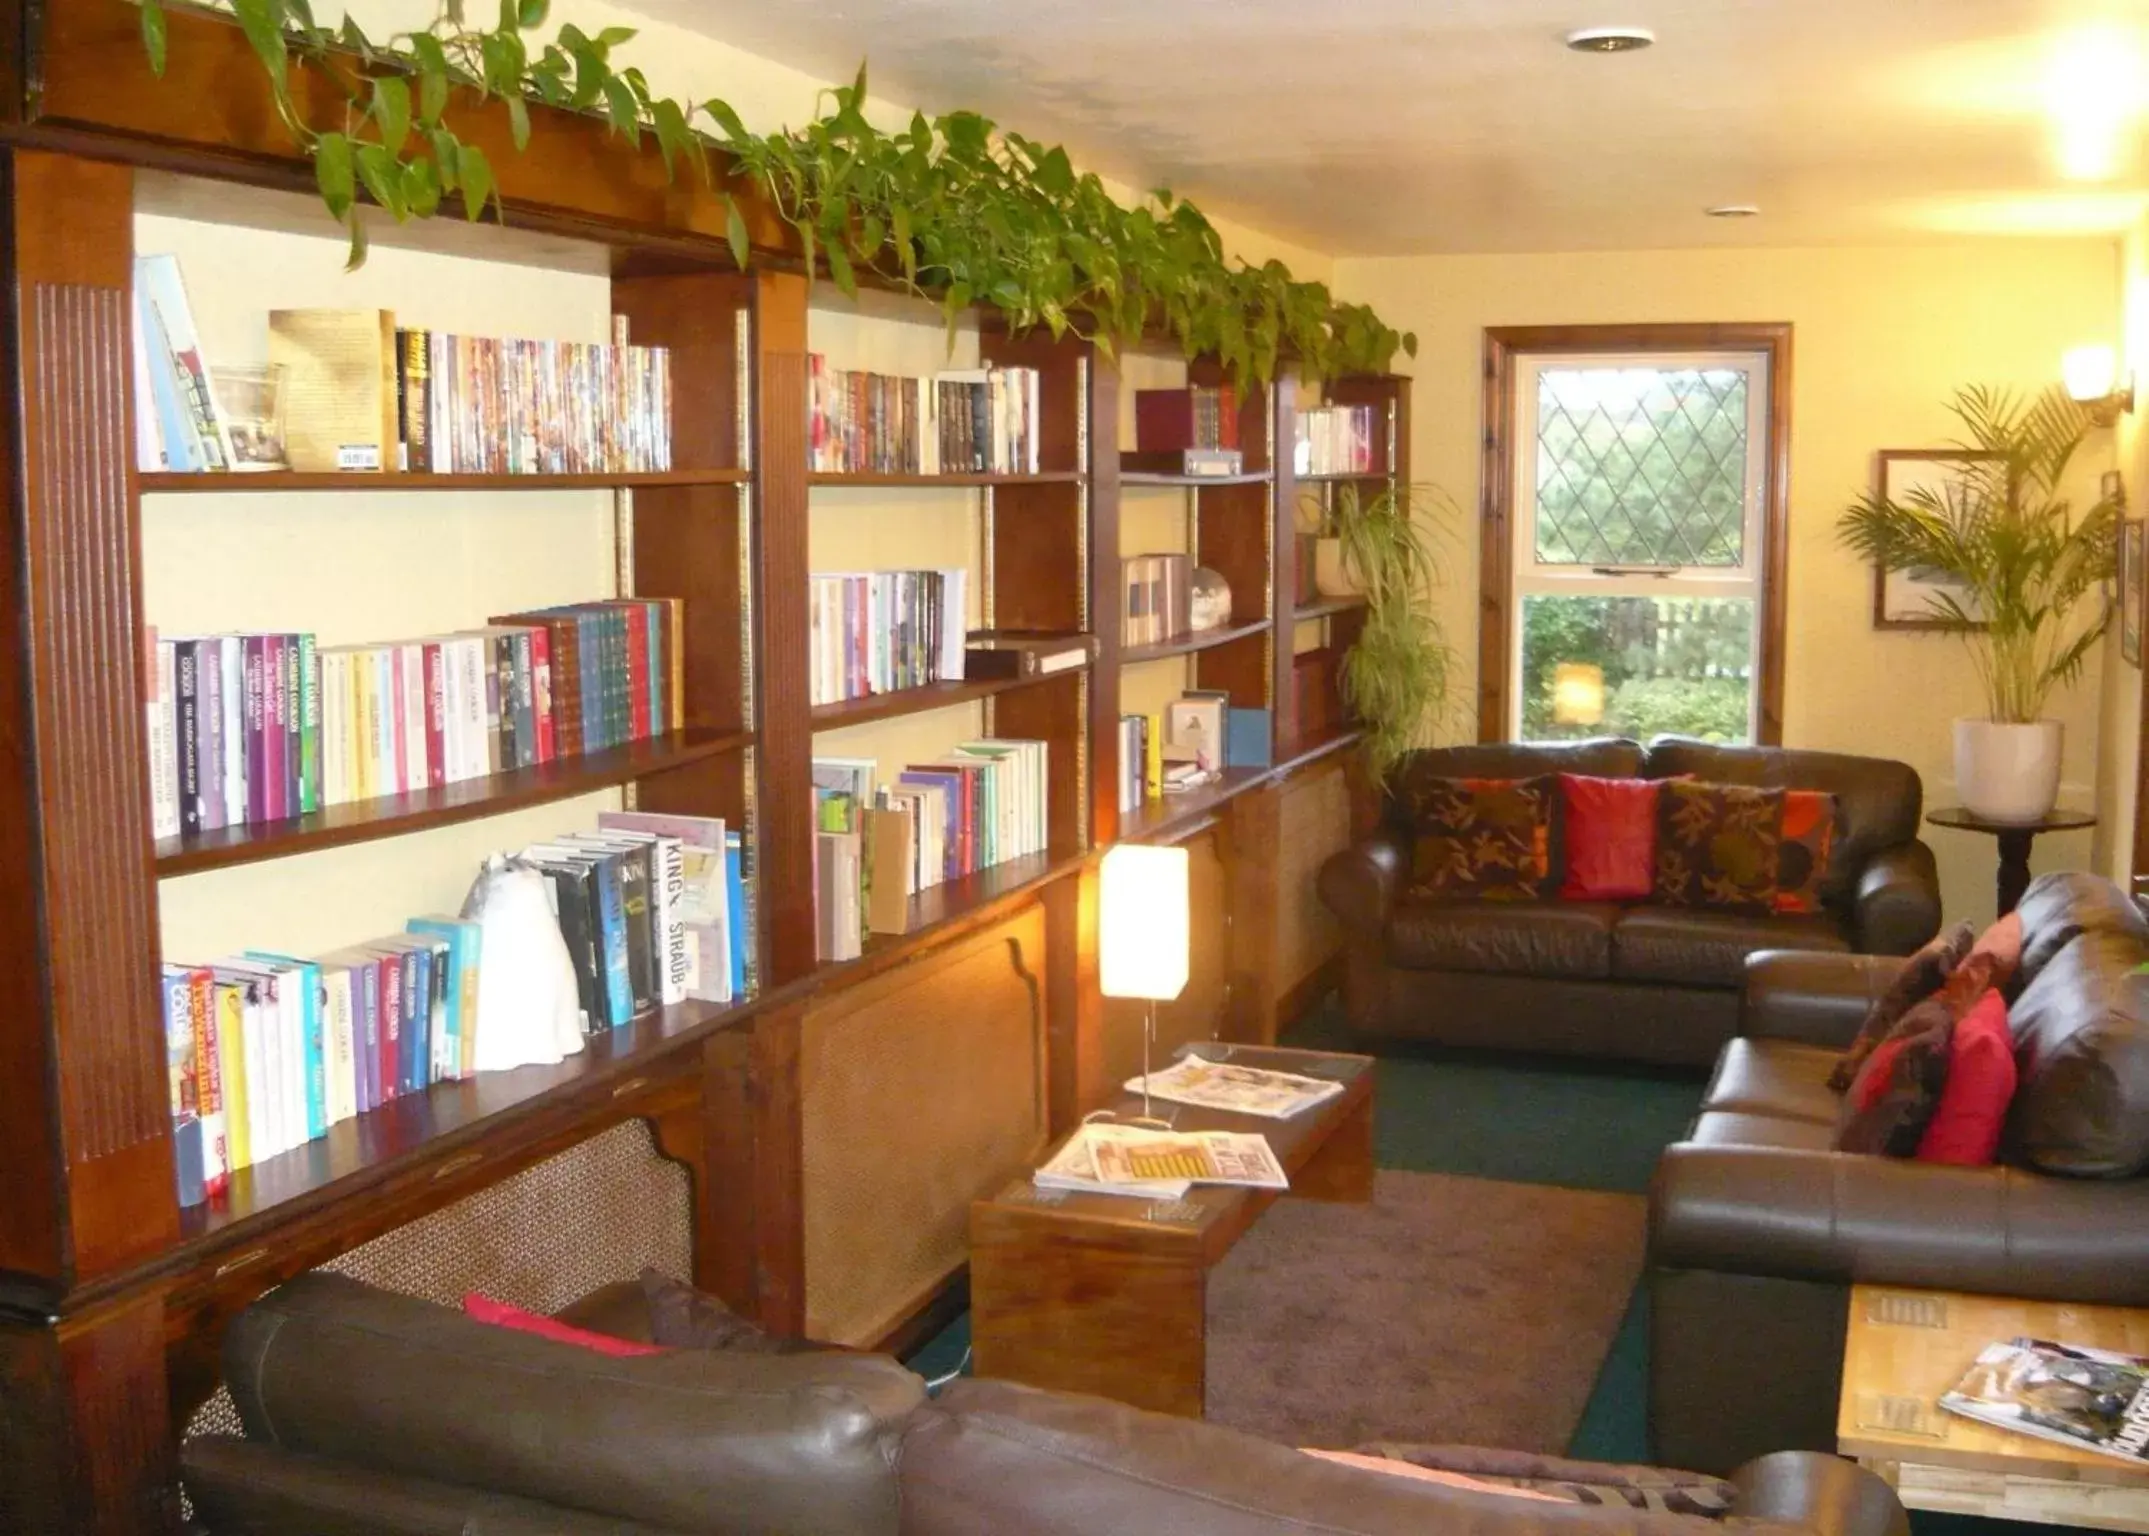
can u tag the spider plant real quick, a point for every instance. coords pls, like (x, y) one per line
(2019, 561)
(1397, 675)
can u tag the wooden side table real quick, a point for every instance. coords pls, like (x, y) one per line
(2014, 838)
(1904, 1348)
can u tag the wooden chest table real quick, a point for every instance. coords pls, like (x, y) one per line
(1904, 1348)
(1106, 1293)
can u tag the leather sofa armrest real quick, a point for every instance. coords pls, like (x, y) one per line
(1811, 996)
(1898, 904)
(1359, 884)
(1841, 1217)
(1823, 1494)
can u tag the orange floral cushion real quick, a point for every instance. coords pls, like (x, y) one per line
(1489, 839)
(1717, 846)
(1809, 829)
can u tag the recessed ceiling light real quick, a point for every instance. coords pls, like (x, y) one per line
(1733, 211)
(1610, 39)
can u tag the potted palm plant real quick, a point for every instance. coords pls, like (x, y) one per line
(1396, 676)
(2014, 565)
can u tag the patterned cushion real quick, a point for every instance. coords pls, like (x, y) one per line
(1897, 1092)
(1717, 846)
(1809, 829)
(1920, 976)
(1485, 838)
(1660, 1490)
(682, 1317)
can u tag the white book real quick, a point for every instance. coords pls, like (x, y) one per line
(264, 1121)
(410, 657)
(954, 625)
(231, 664)
(471, 662)
(338, 1036)
(335, 707)
(164, 744)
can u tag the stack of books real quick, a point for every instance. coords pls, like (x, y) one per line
(1158, 598)
(1198, 736)
(877, 845)
(268, 1051)
(178, 424)
(246, 729)
(1192, 431)
(1335, 440)
(881, 631)
(970, 421)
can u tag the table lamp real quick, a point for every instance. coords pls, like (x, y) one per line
(1142, 927)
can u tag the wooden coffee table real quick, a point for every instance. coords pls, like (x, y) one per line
(1107, 1294)
(1904, 1348)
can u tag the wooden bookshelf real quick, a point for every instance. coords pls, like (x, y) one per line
(833, 479)
(361, 821)
(1187, 645)
(1327, 607)
(914, 701)
(166, 483)
(1144, 477)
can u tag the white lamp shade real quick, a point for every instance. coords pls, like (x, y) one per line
(2090, 373)
(1142, 922)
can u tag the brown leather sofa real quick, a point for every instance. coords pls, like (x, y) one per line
(1758, 1231)
(373, 1414)
(1635, 981)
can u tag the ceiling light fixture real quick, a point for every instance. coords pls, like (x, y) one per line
(1733, 211)
(1610, 39)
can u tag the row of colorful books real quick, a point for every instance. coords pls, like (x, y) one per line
(267, 1051)
(1159, 598)
(247, 729)
(177, 423)
(1334, 440)
(880, 631)
(879, 844)
(515, 406)
(967, 421)
(1190, 744)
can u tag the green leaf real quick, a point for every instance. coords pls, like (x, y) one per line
(612, 37)
(532, 13)
(357, 257)
(263, 23)
(899, 219)
(735, 232)
(726, 120)
(334, 173)
(352, 36)
(518, 121)
(625, 115)
(421, 187)
(674, 138)
(391, 109)
(510, 17)
(839, 267)
(591, 74)
(383, 175)
(153, 34)
(475, 172)
(448, 156)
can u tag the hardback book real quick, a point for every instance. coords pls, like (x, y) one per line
(669, 962)
(183, 1076)
(574, 903)
(339, 373)
(700, 905)
(889, 838)
(998, 653)
(637, 911)
(1197, 725)
(1247, 738)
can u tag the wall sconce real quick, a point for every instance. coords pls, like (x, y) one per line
(1577, 693)
(2092, 378)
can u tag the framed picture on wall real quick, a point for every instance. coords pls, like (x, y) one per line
(2130, 590)
(1904, 599)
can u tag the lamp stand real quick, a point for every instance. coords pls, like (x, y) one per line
(1145, 1118)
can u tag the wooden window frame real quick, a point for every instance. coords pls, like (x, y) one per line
(1496, 496)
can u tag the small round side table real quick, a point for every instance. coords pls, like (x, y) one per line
(2014, 838)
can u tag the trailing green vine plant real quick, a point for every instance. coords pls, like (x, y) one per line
(949, 207)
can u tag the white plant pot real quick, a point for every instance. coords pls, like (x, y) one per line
(2007, 772)
(1332, 576)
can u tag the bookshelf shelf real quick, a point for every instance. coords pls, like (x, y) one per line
(1150, 477)
(167, 483)
(1326, 607)
(912, 701)
(937, 909)
(835, 478)
(443, 1124)
(1187, 645)
(1161, 820)
(1342, 476)
(394, 815)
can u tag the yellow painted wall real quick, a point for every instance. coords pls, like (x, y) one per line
(1882, 337)
(2120, 704)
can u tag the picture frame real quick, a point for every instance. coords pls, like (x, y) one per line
(2131, 591)
(1900, 597)
(2112, 487)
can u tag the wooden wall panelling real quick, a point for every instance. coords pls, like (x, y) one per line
(1313, 817)
(87, 1138)
(749, 1245)
(1077, 1075)
(1255, 829)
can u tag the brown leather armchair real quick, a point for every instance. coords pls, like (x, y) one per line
(372, 1414)
(1758, 1230)
(1629, 980)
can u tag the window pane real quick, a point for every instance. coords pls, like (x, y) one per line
(1637, 666)
(1641, 466)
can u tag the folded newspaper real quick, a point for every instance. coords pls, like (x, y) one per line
(1113, 1159)
(2092, 1399)
(1242, 1090)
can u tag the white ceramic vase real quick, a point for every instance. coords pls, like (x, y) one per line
(2006, 772)
(1332, 576)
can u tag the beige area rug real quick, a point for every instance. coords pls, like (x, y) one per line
(1449, 1310)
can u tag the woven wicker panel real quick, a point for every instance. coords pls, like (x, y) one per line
(592, 1214)
(1316, 822)
(1196, 1013)
(918, 1093)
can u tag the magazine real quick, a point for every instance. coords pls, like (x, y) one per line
(2092, 1399)
(1106, 1158)
(1241, 1090)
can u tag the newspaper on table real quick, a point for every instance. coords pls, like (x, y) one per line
(2092, 1399)
(1111, 1159)
(1239, 1089)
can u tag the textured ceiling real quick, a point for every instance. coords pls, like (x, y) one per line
(1392, 126)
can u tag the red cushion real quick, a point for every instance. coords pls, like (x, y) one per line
(499, 1314)
(1981, 1083)
(1610, 837)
